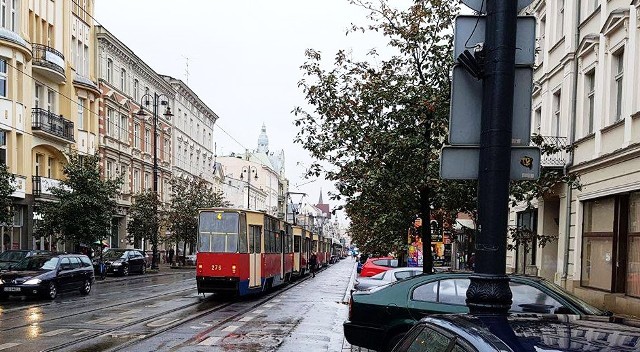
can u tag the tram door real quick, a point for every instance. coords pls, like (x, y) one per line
(255, 272)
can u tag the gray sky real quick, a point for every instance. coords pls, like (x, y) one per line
(244, 59)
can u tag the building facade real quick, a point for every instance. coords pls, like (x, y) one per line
(49, 94)
(586, 92)
(127, 84)
(193, 149)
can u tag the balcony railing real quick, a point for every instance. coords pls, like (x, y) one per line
(48, 57)
(556, 159)
(51, 123)
(44, 185)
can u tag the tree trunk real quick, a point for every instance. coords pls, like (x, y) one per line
(425, 231)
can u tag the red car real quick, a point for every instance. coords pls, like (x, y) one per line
(375, 266)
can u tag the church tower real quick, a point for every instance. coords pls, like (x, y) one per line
(263, 141)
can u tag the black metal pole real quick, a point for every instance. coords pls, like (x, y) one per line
(425, 206)
(154, 238)
(489, 290)
(248, 187)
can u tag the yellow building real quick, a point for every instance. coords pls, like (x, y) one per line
(49, 97)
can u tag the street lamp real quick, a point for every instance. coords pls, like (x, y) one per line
(145, 101)
(249, 170)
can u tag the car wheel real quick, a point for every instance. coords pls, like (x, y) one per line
(52, 293)
(125, 271)
(143, 270)
(86, 287)
(394, 341)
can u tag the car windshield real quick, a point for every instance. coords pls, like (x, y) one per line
(584, 306)
(37, 263)
(12, 256)
(114, 255)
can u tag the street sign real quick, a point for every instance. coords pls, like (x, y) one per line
(466, 108)
(481, 5)
(470, 30)
(462, 163)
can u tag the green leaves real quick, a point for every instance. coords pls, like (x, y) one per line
(145, 216)
(85, 203)
(6, 190)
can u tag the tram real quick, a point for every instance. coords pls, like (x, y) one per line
(301, 250)
(242, 252)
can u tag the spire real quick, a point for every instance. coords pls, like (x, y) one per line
(263, 140)
(320, 200)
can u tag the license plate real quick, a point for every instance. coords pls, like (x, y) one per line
(12, 289)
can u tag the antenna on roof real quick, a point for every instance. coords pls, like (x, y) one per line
(186, 70)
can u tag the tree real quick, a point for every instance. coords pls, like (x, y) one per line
(85, 205)
(144, 220)
(6, 203)
(187, 196)
(381, 122)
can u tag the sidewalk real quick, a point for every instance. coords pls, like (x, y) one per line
(322, 303)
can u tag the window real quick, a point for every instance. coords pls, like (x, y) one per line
(527, 255)
(3, 13)
(49, 167)
(147, 140)
(426, 293)
(136, 135)
(590, 88)
(3, 78)
(436, 341)
(537, 120)
(14, 6)
(136, 180)
(124, 172)
(146, 180)
(3, 147)
(124, 128)
(136, 87)
(37, 164)
(37, 94)
(453, 291)
(618, 61)
(166, 154)
(80, 113)
(528, 299)
(555, 123)
(109, 70)
(597, 243)
(542, 28)
(51, 100)
(110, 122)
(85, 63)
(560, 23)
(123, 80)
(109, 171)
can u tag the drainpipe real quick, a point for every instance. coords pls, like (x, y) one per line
(572, 137)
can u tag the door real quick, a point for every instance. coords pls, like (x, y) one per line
(255, 250)
(65, 279)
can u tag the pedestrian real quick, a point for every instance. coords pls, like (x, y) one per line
(313, 263)
(171, 256)
(472, 262)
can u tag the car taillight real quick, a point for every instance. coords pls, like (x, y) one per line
(200, 266)
(233, 269)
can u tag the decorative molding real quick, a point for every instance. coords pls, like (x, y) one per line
(617, 18)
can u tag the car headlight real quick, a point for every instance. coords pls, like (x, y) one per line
(33, 282)
(1, 281)
(116, 263)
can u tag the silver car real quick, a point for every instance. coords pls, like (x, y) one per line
(385, 277)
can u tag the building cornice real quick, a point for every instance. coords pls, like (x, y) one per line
(607, 160)
(184, 90)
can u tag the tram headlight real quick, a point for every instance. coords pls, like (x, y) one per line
(233, 269)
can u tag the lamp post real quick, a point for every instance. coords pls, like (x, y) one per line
(145, 101)
(249, 170)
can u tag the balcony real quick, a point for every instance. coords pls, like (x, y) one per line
(42, 186)
(49, 62)
(48, 124)
(555, 159)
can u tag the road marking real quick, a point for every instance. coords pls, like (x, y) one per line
(230, 328)
(245, 319)
(268, 305)
(56, 332)
(4, 346)
(209, 341)
(258, 311)
(275, 300)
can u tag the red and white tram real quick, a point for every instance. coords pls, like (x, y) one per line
(242, 252)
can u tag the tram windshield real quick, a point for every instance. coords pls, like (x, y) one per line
(218, 232)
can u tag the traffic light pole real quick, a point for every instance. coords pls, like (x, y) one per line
(489, 290)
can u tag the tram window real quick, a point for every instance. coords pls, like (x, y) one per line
(278, 238)
(296, 244)
(205, 242)
(243, 243)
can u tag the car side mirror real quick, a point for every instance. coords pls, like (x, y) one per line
(562, 310)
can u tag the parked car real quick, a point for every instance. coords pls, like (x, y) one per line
(13, 256)
(385, 277)
(191, 259)
(377, 265)
(47, 275)
(122, 261)
(521, 333)
(379, 317)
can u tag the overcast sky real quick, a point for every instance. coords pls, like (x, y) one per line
(244, 58)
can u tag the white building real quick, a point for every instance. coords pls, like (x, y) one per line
(193, 149)
(586, 92)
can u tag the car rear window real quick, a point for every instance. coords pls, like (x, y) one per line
(381, 262)
(85, 261)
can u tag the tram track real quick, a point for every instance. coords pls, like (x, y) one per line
(201, 336)
(92, 309)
